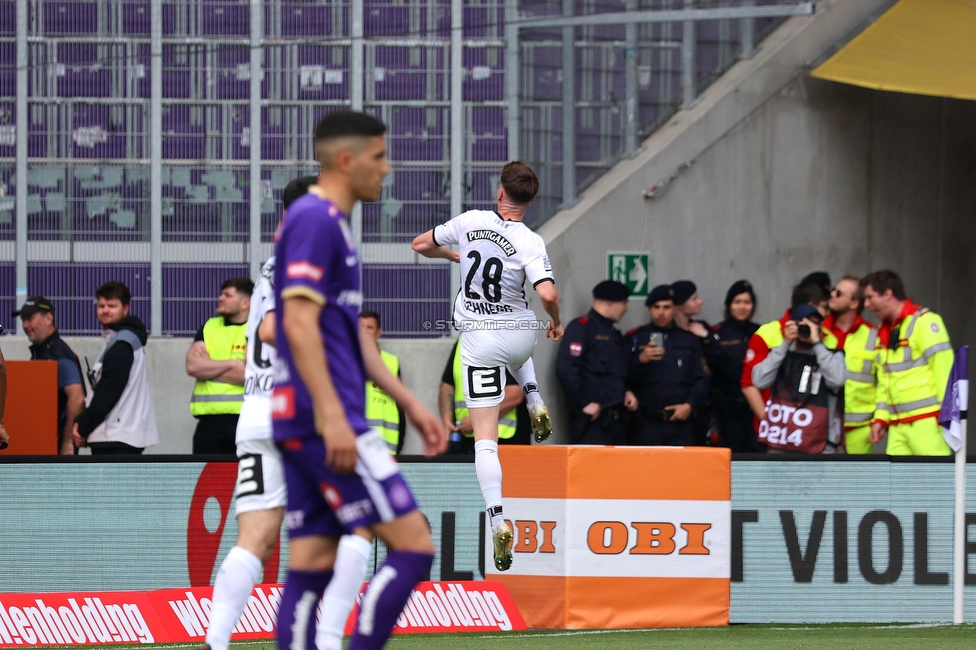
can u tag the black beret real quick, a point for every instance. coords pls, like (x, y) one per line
(817, 277)
(658, 293)
(742, 286)
(682, 290)
(611, 290)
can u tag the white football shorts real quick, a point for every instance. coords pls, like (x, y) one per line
(260, 477)
(484, 355)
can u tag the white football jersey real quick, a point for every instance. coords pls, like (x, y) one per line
(255, 420)
(497, 257)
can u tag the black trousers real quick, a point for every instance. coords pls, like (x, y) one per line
(113, 449)
(659, 432)
(215, 434)
(735, 431)
(602, 431)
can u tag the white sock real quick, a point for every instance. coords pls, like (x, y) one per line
(350, 569)
(238, 574)
(489, 471)
(525, 376)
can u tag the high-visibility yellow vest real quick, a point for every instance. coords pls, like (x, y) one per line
(912, 378)
(212, 397)
(860, 387)
(381, 410)
(506, 423)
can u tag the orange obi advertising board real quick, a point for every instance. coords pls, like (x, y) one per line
(618, 537)
(31, 417)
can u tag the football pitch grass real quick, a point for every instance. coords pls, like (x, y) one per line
(738, 637)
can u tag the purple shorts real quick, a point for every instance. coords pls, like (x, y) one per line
(321, 502)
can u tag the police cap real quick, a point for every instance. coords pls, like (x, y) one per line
(659, 293)
(682, 290)
(740, 286)
(611, 290)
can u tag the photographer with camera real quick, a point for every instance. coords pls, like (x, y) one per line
(668, 374)
(803, 413)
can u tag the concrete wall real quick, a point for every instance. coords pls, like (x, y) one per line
(422, 360)
(791, 174)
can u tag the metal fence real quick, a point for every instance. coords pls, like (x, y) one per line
(156, 136)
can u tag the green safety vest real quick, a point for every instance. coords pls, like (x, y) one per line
(860, 388)
(381, 411)
(212, 397)
(506, 423)
(912, 378)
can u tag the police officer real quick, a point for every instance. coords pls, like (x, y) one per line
(688, 305)
(592, 369)
(733, 414)
(667, 373)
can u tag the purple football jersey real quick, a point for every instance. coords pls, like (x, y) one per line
(316, 259)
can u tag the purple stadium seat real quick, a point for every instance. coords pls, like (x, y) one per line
(70, 18)
(176, 74)
(8, 20)
(485, 79)
(233, 72)
(382, 18)
(8, 71)
(223, 18)
(319, 59)
(302, 19)
(401, 80)
(412, 138)
(135, 18)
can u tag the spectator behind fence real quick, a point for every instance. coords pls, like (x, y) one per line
(857, 338)
(769, 335)
(216, 361)
(687, 305)
(733, 415)
(915, 357)
(37, 315)
(805, 379)
(119, 417)
(382, 412)
(514, 427)
(592, 369)
(668, 374)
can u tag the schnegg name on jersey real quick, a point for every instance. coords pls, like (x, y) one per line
(485, 308)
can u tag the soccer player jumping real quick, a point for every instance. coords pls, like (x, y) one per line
(498, 253)
(339, 473)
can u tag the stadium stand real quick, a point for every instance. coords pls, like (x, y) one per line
(89, 89)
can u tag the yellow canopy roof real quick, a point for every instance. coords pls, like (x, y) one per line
(924, 47)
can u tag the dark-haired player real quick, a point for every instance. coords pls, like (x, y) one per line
(260, 492)
(339, 474)
(498, 254)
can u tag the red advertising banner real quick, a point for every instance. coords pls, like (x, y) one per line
(183, 615)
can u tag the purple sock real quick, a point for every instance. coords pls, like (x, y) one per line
(387, 594)
(299, 603)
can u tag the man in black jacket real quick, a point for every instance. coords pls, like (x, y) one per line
(37, 315)
(592, 369)
(120, 418)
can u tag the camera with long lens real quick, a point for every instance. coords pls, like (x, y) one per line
(803, 330)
